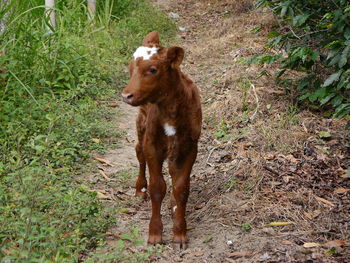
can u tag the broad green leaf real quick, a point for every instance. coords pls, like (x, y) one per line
(284, 10)
(324, 134)
(219, 134)
(332, 53)
(300, 19)
(332, 78)
(344, 57)
(337, 100)
(342, 111)
(315, 55)
(273, 34)
(280, 73)
(305, 96)
(305, 82)
(313, 97)
(259, 3)
(126, 237)
(334, 61)
(320, 93)
(120, 244)
(327, 99)
(333, 44)
(347, 33)
(256, 29)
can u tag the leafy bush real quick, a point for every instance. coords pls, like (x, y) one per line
(50, 109)
(316, 36)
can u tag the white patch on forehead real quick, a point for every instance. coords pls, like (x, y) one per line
(145, 52)
(143, 190)
(169, 130)
(174, 208)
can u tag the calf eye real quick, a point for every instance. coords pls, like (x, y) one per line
(153, 70)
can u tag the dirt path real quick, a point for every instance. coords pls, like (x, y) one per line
(124, 157)
(260, 159)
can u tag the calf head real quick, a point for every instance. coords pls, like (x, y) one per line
(152, 70)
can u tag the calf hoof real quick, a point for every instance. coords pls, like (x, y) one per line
(155, 239)
(180, 242)
(180, 246)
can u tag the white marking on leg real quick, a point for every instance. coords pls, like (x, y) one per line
(174, 208)
(169, 130)
(143, 190)
(145, 52)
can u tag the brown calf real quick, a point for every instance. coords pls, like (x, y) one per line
(168, 126)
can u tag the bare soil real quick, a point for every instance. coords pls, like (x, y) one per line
(266, 187)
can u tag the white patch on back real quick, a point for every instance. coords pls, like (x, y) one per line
(174, 208)
(169, 130)
(145, 52)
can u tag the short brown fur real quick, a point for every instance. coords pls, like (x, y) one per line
(165, 96)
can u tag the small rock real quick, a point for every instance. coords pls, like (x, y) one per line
(308, 151)
(182, 28)
(174, 15)
(269, 231)
(229, 242)
(265, 256)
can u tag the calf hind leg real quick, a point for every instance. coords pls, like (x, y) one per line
(141, 182)
(180, 173)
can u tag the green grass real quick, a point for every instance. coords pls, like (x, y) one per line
(51, 106)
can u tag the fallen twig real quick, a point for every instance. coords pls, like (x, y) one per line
(324, 201)
(210, 153)
(103, 161)
(256, 101)
(104, 175)
(271, 170)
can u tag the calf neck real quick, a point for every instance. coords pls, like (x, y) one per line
(168, 127)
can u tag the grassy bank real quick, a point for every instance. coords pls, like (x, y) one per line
(52, 116)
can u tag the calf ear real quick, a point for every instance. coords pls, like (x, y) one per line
(151, 38)
(175, 56)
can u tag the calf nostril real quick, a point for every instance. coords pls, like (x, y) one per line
(127, 96)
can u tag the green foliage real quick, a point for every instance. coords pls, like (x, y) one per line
(120, 251)
(316, 36)
(246, 227)
(263, 59)
(245, 85)
(117, 9)
(222, 131)
(324, 134)
(50, 109)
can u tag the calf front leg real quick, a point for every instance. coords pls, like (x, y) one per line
(157, 190)
(181, 187)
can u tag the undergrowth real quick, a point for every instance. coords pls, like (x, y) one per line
(52, 90)
(315, 36)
